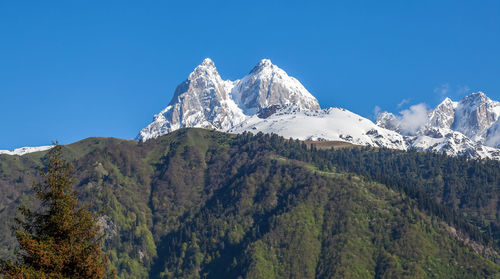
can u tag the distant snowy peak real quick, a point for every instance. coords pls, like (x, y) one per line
(443, 115)
(25, 150)
(451, 143)
(474, 115)
(388, 121)
(267, 85)
(470, 127)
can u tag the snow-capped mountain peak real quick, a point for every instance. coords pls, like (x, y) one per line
(474, 115)
(388, 121)
(447, 102)
(443, 115)
(207, 62)
(267, 85)
(202, 100)
(206, 68)
(456, 128)
(264, 63)
(205, 100)
(476, 98)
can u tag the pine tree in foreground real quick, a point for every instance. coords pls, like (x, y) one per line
(60, 240)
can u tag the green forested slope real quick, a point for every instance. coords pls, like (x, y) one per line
(204, 204)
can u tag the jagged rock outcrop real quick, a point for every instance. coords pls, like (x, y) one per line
(443, 115)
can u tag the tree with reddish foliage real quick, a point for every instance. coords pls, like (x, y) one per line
(61, 240)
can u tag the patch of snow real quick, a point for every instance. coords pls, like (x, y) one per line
(25, 150)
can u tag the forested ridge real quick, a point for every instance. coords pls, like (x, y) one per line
(204, 204)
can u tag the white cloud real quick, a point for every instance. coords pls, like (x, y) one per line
(446, 89)
(493, 137)
(413, 118)
(462, 90)
(376, 112)
(403, 102)
(443, 89)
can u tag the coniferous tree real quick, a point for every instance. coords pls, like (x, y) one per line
(61, 240)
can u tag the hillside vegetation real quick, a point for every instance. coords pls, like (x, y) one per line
(203, 204)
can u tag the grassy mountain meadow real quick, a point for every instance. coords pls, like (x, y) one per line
(204, 204)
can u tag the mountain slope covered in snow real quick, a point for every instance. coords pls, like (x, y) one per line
(320, 125)
(25, 150)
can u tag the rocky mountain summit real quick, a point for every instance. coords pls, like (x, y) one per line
(474, 115)
(443, 116)
(465, 128)
(202, 100)
(270, 101)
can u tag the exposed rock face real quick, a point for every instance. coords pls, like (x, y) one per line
(474, 115)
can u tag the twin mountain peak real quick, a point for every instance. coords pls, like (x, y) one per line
(205, 100)
(269, 100)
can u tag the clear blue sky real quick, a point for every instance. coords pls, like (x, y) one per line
(75, 69)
